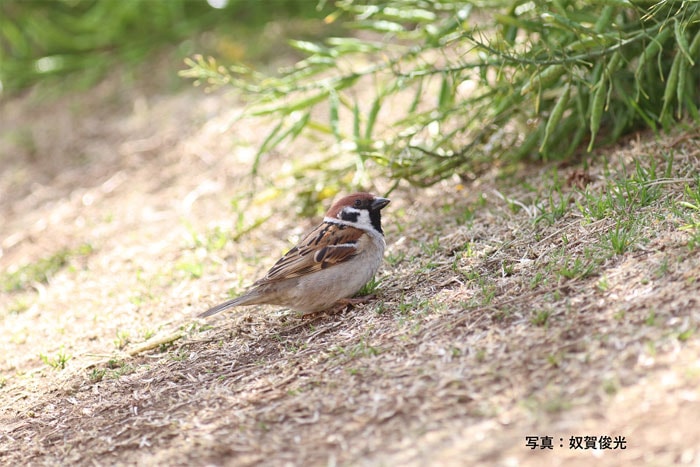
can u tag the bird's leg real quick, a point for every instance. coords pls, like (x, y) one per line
(339, 306)
(344, 303)
(355, 300)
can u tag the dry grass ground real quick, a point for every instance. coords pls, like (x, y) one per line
(563, 301)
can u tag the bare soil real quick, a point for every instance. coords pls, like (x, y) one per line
(477, 339)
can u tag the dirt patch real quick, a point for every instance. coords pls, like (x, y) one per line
(505, 308)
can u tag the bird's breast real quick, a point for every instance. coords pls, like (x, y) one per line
(322, 289)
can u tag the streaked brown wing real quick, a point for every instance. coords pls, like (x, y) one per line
(325, 246)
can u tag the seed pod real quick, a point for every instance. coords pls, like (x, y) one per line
(597, 107)
(542, 80)
(556, 115)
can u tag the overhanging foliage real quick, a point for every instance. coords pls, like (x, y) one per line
(480, 82)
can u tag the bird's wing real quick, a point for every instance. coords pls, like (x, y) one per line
(327, 245)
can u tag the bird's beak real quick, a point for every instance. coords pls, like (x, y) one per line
(379, 203)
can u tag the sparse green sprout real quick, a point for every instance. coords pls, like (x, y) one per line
(41, 270)
(20, 305)
(193, 269)
(122, 340)
(620, 238)
(650, 347)
(554, 360)
(556, 207)
(180, 356)
(360, 349)
(97, 374)
(603, 284)
(488, 292)
(507, 269)
(394, 259)
(687, 334)
(693, 194)
(162, 348)
(114, 363)
(414, 308)
(58, 362)
(650, 320)
(370, 287)
(212, 240)
(595, 205)
(576, 269)
(538, 279)
(693, 205)
(430, 248)
(610, 387)
(540, 317)
(114, 369)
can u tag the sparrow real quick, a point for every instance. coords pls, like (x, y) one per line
(328, 266)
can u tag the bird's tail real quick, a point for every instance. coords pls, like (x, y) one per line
(242, 300)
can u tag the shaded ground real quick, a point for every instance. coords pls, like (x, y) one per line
(505, 308)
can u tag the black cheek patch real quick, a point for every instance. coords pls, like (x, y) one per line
(349, 216)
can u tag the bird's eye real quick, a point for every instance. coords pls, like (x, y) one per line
(358, 203)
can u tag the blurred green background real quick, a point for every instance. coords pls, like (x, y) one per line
(85, 39)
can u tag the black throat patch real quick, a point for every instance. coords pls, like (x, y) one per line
(376, 219)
